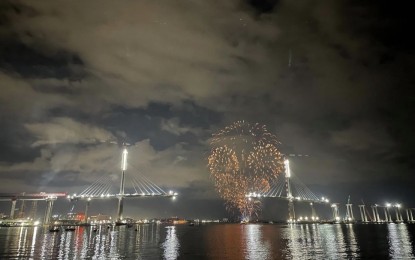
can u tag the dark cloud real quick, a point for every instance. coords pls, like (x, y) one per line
(333, 79)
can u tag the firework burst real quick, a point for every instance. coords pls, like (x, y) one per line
(244, 158)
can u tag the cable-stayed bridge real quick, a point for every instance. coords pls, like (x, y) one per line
(138, 186)
(290, 188)
(132, 185)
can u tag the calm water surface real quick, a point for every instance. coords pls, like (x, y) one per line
(212, 241)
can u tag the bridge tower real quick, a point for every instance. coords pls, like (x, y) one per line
(121, 194)
(291, 210)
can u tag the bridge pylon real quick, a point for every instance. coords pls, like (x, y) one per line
(122, 185)
(291, 210)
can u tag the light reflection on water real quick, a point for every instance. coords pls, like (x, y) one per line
(399, 242)
(213, 241)
(171, 245)
(256, 246)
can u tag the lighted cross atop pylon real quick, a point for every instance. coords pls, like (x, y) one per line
(290, 188)
(103, 188)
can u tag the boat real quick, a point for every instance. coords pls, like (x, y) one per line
(70, 229)
(54, 229)
(191, 224)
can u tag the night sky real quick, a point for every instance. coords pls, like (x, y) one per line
(332, 79)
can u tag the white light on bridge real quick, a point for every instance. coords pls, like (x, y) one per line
(124, 160)
(287, 168)
(388, 205)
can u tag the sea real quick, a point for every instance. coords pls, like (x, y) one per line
(212, 241)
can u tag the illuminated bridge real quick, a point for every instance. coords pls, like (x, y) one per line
(137, 186)
(34, 197)
(290, 188)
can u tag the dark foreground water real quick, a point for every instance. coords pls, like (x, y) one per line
(212, 241)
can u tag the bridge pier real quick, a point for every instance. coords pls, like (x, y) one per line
(349, 213)
(374, 214)
(408, 219)
(13, 208)
(313, 212)
(388, 217)
(48, 212)
(398, 214)
(33, 210)
(291, 210)
(377, 214)
(86, 210)
(363, 213)
(335, 209)
(21, 210)
(412, 216)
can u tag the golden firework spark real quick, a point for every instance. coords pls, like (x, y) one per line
(244, 159)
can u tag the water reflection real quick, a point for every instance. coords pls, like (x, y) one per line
(320, 241)
(171, 245)
(256, 246)
(213, 241)
(400, 246)
(353, 250)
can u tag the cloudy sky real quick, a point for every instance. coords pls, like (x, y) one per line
(332, 79)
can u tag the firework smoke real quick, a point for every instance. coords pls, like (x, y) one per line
(244, 159)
